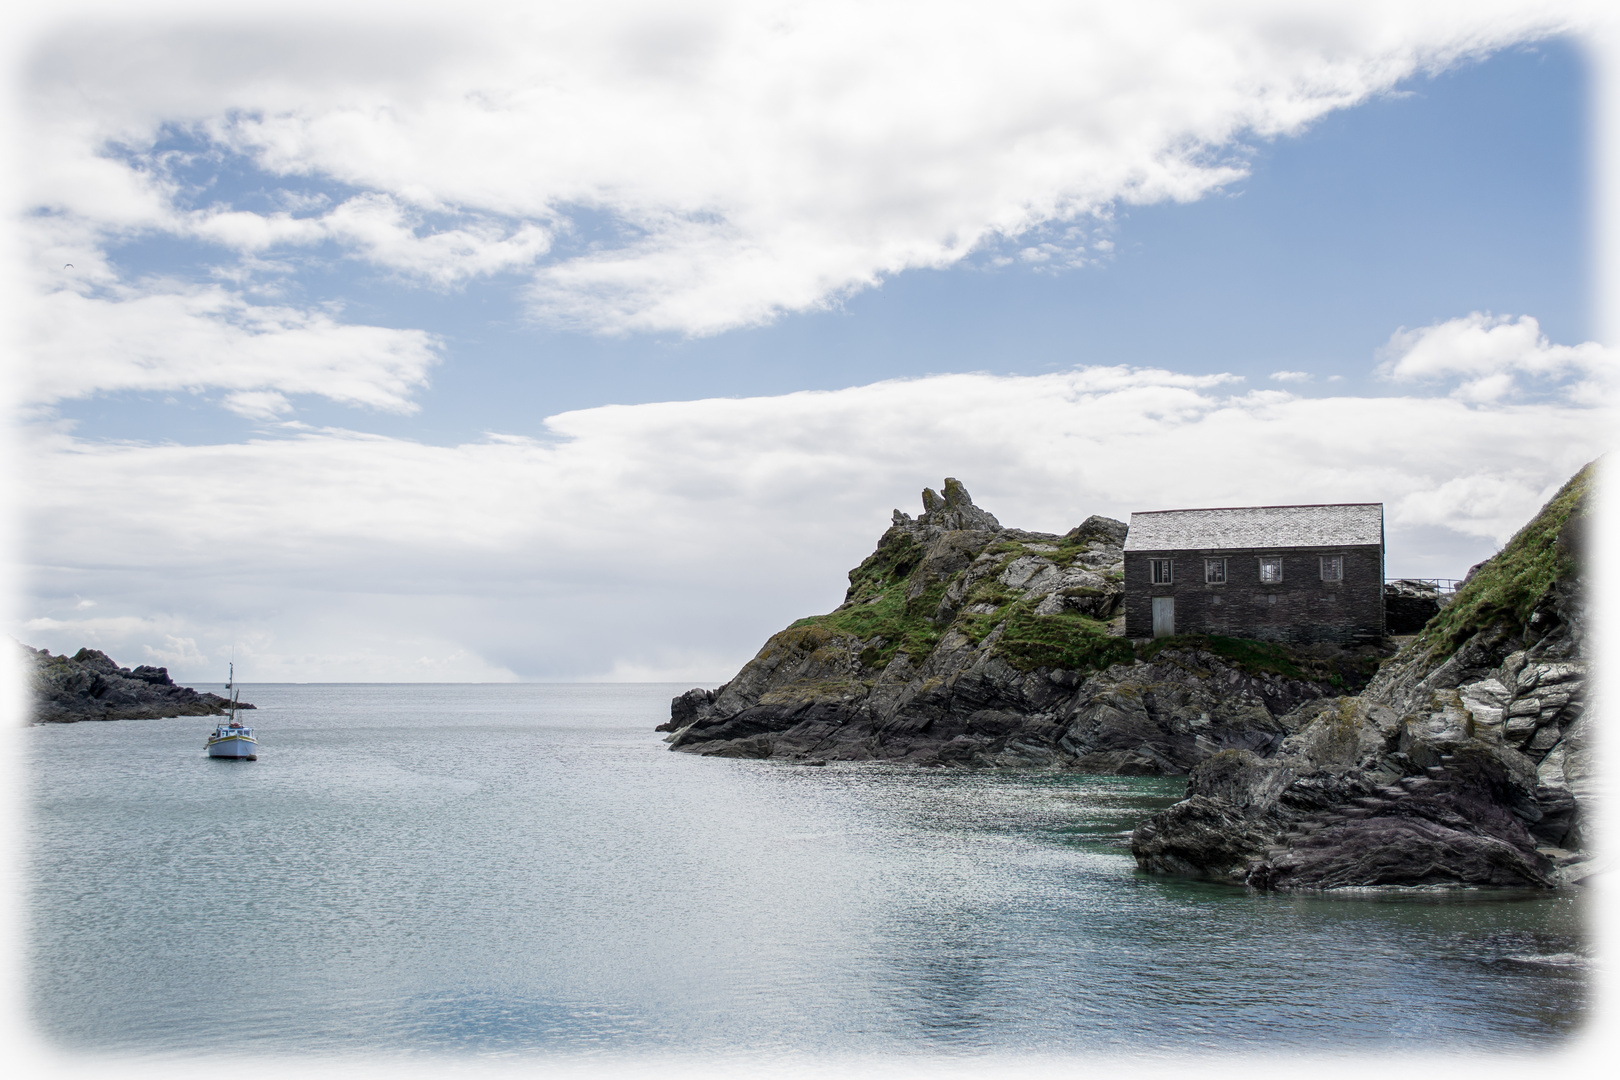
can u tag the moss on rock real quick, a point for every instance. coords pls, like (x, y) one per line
(1066, 640)
(1507, 587)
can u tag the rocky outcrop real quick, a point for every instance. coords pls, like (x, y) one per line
(1466, 762)
(90, 686)
(961, 642)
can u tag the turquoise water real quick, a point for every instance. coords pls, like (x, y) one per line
(527, 870)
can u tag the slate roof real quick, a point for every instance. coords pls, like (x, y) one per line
(1332, 525)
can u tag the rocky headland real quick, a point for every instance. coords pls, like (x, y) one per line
(1461, 759)
(1467, 761)
(962, 642)
(89, 686)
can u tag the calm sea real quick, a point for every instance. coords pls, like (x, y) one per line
(527, 870)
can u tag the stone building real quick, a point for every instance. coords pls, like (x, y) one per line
(1276, 573)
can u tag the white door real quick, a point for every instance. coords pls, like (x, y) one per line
(1164, 616)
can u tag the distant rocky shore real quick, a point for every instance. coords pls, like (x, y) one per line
(89, 686)
(1460, 761)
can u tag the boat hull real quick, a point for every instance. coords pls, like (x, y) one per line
(242, 748)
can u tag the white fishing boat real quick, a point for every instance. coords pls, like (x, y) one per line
(231, 739)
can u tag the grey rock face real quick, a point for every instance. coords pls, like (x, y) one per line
(955, 510)
(1199, 837)
(89, 686)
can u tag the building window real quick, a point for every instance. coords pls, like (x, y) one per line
(1271, 569)
(1161, 571)
(1333, 568)
(1215, 571)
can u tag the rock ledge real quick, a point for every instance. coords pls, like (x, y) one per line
(89, 686)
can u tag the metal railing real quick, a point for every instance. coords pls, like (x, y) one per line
(1439, 585)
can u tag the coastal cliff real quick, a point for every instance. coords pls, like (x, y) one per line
(1467, 761)
(963, 642)
(89, 686)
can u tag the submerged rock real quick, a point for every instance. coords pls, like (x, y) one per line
(89, 686)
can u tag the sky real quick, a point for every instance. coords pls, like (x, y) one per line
(534, 343)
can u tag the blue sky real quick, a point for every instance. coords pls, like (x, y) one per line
(482, 353)
(1462, 191)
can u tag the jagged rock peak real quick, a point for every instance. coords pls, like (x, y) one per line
(950, 511)
(1098, 527)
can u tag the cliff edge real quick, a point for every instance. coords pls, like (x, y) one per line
(1466, 762)
(89, 686)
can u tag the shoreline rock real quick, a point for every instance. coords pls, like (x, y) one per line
(964, 643)
(1466, 762)
(89, 685)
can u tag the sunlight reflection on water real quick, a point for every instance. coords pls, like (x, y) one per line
(527, 869)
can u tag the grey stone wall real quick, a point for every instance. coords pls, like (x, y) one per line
(1301, 608)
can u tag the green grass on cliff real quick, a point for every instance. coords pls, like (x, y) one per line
(1507, 587)
(878, 608)
(895, 560)
(902, 624)
(1069, 549)
(1066, 640)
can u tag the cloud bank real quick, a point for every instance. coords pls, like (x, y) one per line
(643, 168)
(184, 338)
(635, 168)
(669, 539)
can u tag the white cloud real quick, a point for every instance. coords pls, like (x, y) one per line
(97, 631)
(1291, 376)
(707, 166)
(258, 404)
(381, 230)
(674, 537)
(196, 338)
(176, 651)
(1490, 354)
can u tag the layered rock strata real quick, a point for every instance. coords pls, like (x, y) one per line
(962, 642)
(1467, 761)
(89, 686)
